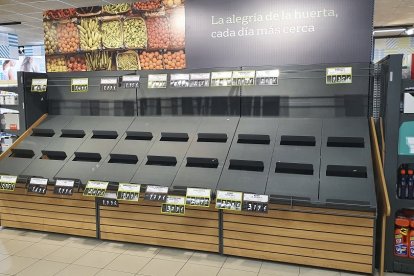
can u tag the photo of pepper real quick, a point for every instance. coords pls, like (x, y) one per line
(142, 35)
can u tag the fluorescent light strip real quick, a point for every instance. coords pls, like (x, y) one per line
(390, 30)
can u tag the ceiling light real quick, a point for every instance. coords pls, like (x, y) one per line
(409, 31)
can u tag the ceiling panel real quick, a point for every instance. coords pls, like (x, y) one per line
(387, 13)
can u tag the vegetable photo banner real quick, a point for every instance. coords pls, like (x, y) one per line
(179, 34)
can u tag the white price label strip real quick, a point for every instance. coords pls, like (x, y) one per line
(39, 181)
(109, 81)
(65, 183)
(256, 198)
(227, 195)
(39, 82)
(199, 193)
(129, 188)
(8, 179)
(200, 76)
(157, 190)
(267, 74)
(175, 200)
(158, 77)
(97, 185)
(243, 74)
(221, 75)
(131, 78)
(82, 81)
(175, 77)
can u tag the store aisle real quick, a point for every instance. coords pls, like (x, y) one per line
(36, 253)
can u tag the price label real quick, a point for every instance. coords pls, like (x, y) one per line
(255, 203)
(8, 182)
(180, 80)
(198, 197)
(109, 200)
(156, 193)
(267, 77)
(128, 192)
(339, 75)
(227, 200)
(109, 84)
(221, 79)
(64, 187)
(131, 82)
(39, 85)
(199, 80)
(174, 205)
(157, 81)
(95, 188)
(243, 78)
(79, 85)
(37, 185)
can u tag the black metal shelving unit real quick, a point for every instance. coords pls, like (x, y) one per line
(388, 88)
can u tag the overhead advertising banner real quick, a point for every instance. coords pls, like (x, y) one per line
(179, 34)
(226, 33)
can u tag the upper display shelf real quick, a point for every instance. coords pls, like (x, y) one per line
(143, 35)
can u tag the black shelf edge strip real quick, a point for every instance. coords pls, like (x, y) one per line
(174, 137)
(87, 157)
(39, 132)
(246, 165)
(294, 168)
(139, 135)
(346, 171)
(197, 162)
(22, 153)
(346, 142)
(169, 161)
(123, 159)
(256, 139)
(104, 134)
(212, 137)
(289, 140)
(53, 155)
(72, 133)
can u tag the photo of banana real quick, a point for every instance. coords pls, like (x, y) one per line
(90, 36)
(97, 61)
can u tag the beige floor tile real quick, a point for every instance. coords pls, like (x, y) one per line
(128, 263)
(233, 272)
(242, 264)
(106, 272)
(10, 247)
(114, 247)
(199, 270)
(10, 233)
(66, 254)
(98, 259)
(157, 267)
(173, 254)
(310, 271)
(38, 250)
(78, 270)
(29, 236)
(14, 264)
(278, 269)
(56, 239)
(3, 256)
(209, 259)
(85, 243)
(43, 268)
(142, 250)
(358, 274)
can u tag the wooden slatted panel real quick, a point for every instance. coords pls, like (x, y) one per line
(143, 223)
(73, 215)
(331, 264)
(316, 238)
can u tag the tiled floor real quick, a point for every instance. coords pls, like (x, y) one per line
(35, 253)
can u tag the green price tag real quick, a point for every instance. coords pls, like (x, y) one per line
(174, 205)
(8, 182)
(226, 200)
(339, 75)
(39, 85)
(95, 188)
(79, 85)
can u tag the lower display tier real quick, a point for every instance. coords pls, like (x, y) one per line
(328, 238)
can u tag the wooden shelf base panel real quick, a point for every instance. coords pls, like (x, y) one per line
(324, 240)
(73, 215)
(143, 223)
